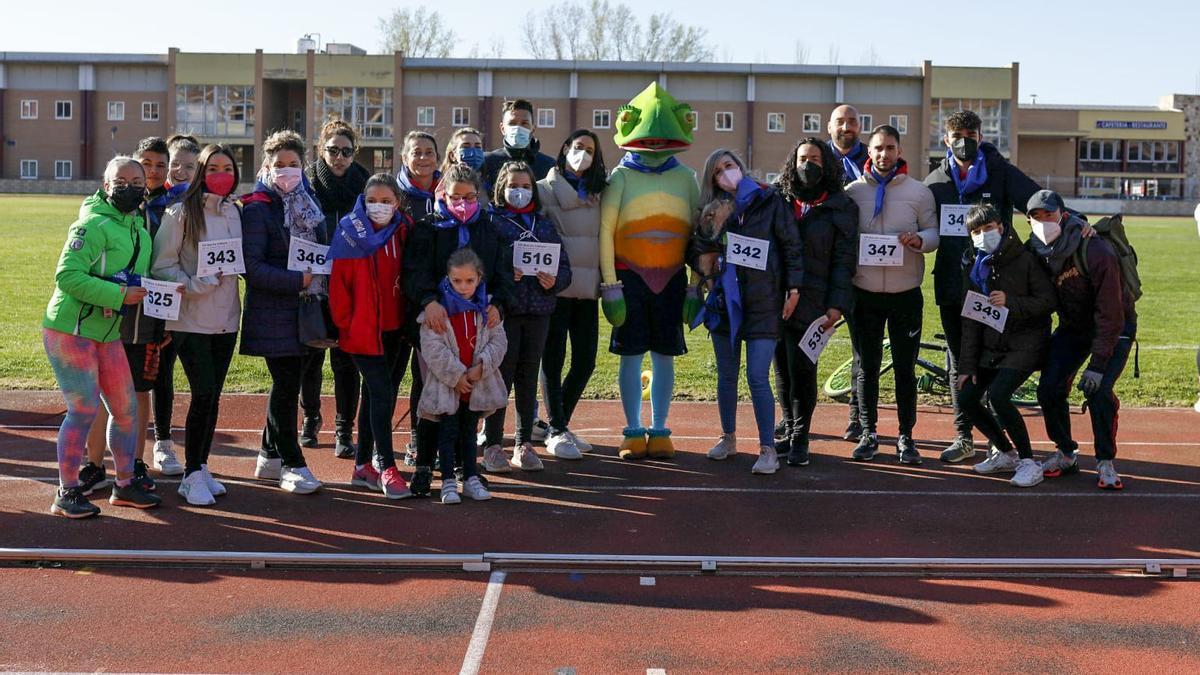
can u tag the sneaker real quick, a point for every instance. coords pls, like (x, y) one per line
(298, 480)
(781, 431)
(525, 459)
(962, 449)
(365, 476)
(494, 460)
(309, 431)
(214, 487)
(92, 478)
(797, 453)
(560, 446)
(481, 438)
(768, 461)
(1196, 407)
(164, 459)
(907, 450)
(393, 485)
(195, 490)
(998, 462)
(449, 491)
(854, 431)
(726, 447)
(1108, 478)
(344, 447)
(583, 445)
(1029, 473)
(71, 503)
(141, 476)
(133, 495)
(868, 445)
(540, 430)
(474, 489)
(410, 454)
(422, 482)
(268, 468)
(1060, 464)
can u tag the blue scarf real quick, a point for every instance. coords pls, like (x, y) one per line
(356, 236)
(414, 192)
(881, 190)
(633, 160)
(850, 160)
(982, 270)
(977, 175)
(447, 220)
(577, 183)
(161, 202)
(456, 304)
(726, 285)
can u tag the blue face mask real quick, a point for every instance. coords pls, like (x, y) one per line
(472, 157)
(517, 136)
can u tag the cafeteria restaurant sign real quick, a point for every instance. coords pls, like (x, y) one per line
(1129, 124)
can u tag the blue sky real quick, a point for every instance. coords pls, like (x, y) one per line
(1070, 52)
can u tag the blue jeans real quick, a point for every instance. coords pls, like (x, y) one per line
(759, 353)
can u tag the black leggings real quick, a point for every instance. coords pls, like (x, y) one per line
(576, 319)
(346, 387)
(796, 377)
(164, 390)
(952, 329)
(900, 315)
(381, 376)
(279, 436)
(999, 385)
(526, 341)
(205, 360)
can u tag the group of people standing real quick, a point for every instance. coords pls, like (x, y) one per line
(415, 273)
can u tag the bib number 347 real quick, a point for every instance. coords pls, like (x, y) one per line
(880, 250)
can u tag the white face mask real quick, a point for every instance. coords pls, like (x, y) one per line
(579, 160)
(517, 136)
(518, 198)
(728, 180)
(1047, 231)
(987, 241)
(380, 214)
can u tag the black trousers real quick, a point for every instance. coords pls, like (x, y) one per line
(280, 437)
(577, 320)
(455, 432)
(526, 341)
(900, 315)
(952, 328)
(1002, 417)
(205, 360)
(164, 390)
(381, 376)
(346, 388)
(796, 377)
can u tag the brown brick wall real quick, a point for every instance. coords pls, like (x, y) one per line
(44, 139)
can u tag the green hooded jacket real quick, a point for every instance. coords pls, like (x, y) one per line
(99, 244)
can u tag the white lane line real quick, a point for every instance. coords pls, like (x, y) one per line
(483, 625)
(656, 671)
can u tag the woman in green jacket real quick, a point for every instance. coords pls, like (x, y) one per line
(98, 276)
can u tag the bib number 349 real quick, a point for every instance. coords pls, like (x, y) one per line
(977, 308)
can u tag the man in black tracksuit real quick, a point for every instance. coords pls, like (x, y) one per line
(973, 172)
(517, 129)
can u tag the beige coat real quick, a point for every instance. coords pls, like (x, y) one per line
(578, 223)
(209, 306)
(908, 206)
(444, 368)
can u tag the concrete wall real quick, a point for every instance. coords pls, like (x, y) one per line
(1190, 105)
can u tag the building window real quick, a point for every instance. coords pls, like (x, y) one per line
(29, 169)
(460, 117)
(381, 160)
(63, 169)
(601, 119)
(367, 109)
(149, 111)
(116, 111)
(1100, 151)
(214, 110)
(62, 110)
(812, 123)
(426, 116)
(865, 124)
(900, 122)
(993, 113)
(772, 177)
(546, 118)
(29, 109)
(776, 123)
(724, 121)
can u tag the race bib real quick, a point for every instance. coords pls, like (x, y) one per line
(220, 255)
(977, 307)
(309, 256)
(532, 257)
(954, 220)
(161, 300)
(747, 251)
(880, 250)
(816, 336)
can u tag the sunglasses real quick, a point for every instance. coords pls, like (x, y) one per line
(334, 151)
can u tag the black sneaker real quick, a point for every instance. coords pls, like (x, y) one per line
(71, 503)
(308, 432)
(854, 431)
(907, 450)
(92, 478)
(781, 431)
(141, 476)
(798, 453)
(867, 446)
(421, 482)
(344, 448)
(133, 495)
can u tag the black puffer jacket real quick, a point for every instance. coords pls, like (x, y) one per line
(494, 159)
(1006, 188)
(768, 217)
(830, 234)
(1030, 298)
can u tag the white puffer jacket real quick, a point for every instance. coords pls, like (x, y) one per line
(209, 306)
(444, 367)
(908, 206)
(578, 224)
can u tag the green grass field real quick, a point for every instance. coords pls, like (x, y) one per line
(33, 229)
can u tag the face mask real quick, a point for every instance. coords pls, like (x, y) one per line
(518, 198)
(286, 179)
(463, 210)
(380, 214)
(810, 174)
(1047, 231)
(126, 198)
(728, 180)
(516, 136)
(987, 241)
(965, 149)
(219, 183)
(579, 160)
(472, 157)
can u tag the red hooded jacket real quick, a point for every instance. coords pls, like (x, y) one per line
(366, 297)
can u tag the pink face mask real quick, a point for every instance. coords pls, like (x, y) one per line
(463, 210)
(728, 180)
(286, 179)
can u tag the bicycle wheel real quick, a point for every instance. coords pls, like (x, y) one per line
(840, 382)
(1026, 394)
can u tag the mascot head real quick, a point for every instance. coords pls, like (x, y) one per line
(654, 125)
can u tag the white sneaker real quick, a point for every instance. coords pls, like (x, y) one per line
(586, 447)
(540, 430)
(481, 438)
(768, 461)
(449, 491)
(1108, 479)
(525, 459)
(215, 488)
(195, 490)
(560, 446)
(268, 469)
(298, 481)
(164, 459)
(998, 462)
(1029, 473)
(474, 489)
(1196, 407)
(494, 460)
(726, 447)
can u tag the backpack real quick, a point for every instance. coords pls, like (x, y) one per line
(1112, 230)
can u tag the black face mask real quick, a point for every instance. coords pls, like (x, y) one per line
(809, 174)
(965, 149)
(126, 198)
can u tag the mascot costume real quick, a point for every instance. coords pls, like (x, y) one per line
(646, 217)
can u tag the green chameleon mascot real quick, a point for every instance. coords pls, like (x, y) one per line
(646, 217)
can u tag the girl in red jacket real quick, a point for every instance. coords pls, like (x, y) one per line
(367, 304)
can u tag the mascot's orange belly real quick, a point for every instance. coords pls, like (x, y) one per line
(654, 247)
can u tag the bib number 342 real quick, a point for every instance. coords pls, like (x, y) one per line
(747, 251)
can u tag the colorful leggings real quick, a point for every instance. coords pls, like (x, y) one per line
(89, 372)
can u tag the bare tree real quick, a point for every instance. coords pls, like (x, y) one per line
(600, 30)
(869, 57)
(801, 55)
(419, 33)
(835, 55)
